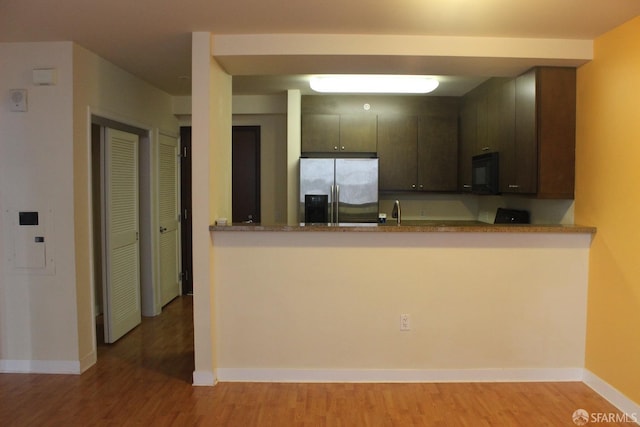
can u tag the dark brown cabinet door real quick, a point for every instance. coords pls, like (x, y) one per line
(481, 102)
(544, 158)
(320, 133)
(358, 133)
(556, 127)
(501, 101)
(525, 156)
(397, 150)
(468, 136)
(437, 153)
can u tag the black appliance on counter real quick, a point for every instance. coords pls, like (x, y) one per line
(511, 216)
(485, 173)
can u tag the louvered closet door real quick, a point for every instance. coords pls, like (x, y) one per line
(122, 248)
(169, 225)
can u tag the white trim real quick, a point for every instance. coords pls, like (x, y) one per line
(615, 397)
(89, 360)
(399, 375)
(204, 378)
(40, 366)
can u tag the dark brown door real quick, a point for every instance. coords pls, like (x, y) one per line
(245, 202)
(185, 206)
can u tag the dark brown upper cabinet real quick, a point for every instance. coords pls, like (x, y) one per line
(530, 122)
(418, 145)
(336, 125)
(545, 132)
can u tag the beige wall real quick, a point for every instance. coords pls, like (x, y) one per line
(46, 320)
(308, 306)
(103, 89)
(38, 313)
(211, 175)
(607, 159)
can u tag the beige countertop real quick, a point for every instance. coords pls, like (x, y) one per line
(427, 226)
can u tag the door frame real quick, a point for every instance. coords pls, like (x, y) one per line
(186, 210)
(177, 160)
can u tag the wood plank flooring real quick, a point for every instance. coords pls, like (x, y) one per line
(145, 379)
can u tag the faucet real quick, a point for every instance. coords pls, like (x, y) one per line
(397, 212)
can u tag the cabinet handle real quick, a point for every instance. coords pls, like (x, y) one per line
(466, 186)
(342, 148)
(413, 186)
(335, 148)
(514, 186)
(421, 186)
(486, 148)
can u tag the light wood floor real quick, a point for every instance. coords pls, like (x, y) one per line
(145, 379)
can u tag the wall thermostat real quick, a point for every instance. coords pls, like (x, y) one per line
(18, 100)
(44, 76)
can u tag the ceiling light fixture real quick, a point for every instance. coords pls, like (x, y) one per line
(373, 83)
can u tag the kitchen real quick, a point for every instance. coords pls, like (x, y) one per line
(318, 303)
(408, 153)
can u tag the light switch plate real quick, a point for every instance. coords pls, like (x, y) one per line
(18, 100)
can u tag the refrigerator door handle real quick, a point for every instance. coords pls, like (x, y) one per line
(331, 204)
(337, 204)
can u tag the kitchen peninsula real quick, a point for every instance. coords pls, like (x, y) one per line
(485, 302)
(478, 301)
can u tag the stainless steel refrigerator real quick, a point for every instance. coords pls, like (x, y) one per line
(335, 191)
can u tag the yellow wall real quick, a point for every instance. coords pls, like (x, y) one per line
(607, 181)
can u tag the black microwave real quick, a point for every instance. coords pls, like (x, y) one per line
(485, 173)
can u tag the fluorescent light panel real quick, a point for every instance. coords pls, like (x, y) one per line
(373, 83)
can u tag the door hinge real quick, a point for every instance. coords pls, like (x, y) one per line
(183, 276)
(185, 152)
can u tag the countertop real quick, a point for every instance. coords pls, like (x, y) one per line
(427, 226)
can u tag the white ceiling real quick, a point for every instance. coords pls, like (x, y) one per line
(152, 38)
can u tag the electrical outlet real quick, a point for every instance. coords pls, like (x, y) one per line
(405, 322)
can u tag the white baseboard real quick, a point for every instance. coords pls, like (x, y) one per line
(88, 361)
(204, 378)
(398, 375)
(617, 399)
(40, 366)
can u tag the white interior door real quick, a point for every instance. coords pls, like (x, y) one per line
(169, 211)
(122, 311)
